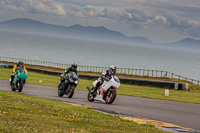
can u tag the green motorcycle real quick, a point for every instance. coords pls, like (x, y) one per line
(19, 80)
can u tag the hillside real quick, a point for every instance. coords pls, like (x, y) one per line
(76, 31)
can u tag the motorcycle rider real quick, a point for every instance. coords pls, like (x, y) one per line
(18, 66)
(73, 68)
(105, 76)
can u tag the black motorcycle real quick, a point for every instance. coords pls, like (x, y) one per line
(69, 84)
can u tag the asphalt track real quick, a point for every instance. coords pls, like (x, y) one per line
(178, 113)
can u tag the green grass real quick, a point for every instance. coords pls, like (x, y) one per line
(26, 114)
(192, 96)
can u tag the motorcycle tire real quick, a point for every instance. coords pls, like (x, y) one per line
(70, 92)
(21, 84)
(110, 97)
(60, 92)
(90, 97)
(12, 88)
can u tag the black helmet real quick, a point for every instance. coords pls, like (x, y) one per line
(113, 69)
(74, 65)
(20, 63)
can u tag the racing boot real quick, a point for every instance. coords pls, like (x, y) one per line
(93, 93)
(60, 83)
(12, 77)
(14, 86)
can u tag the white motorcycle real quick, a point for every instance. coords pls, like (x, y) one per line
(107, 91)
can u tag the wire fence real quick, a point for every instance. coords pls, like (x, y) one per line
(129, 71)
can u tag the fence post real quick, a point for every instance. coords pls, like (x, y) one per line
(156, 73)
(172, 75)
(166, 74)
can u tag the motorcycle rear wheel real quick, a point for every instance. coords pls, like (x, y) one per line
(110, 97)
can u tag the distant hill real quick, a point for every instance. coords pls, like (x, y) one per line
(76, 31)
(188, 41)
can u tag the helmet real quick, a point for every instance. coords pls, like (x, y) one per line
(20, 63)
(74, 65)
(113, 69)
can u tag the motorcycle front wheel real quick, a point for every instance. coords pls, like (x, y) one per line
(110, 96)
(21, 84)
(90, 97)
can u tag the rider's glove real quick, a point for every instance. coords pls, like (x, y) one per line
(106, 79)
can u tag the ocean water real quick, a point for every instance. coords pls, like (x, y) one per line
(66, 50)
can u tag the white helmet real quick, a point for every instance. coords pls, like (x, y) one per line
(113, 69)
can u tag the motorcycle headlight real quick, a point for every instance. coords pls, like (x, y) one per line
(76, 82)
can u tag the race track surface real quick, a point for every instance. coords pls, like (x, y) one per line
(182, 114)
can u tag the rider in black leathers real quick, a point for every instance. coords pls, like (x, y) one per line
(105, 76)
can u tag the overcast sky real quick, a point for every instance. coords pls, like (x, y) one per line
(158, 20)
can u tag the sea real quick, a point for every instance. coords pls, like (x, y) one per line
(97, 53)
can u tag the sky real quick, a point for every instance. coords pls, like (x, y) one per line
(161, 21)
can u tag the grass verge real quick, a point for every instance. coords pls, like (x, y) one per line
(22, 113)
(192, 96)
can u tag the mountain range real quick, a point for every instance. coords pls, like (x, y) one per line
(100, 33)
(76, 31)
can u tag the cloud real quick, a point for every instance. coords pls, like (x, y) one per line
(180, 16)
(184, 26)
(34, 6)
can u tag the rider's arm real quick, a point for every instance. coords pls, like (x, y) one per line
(77, 73)
(68, 70)
(14, 68)
(104, 77)
(25, 70)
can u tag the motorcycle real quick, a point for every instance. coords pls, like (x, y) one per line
(19, 80)
(68, 85)
(106, 92)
